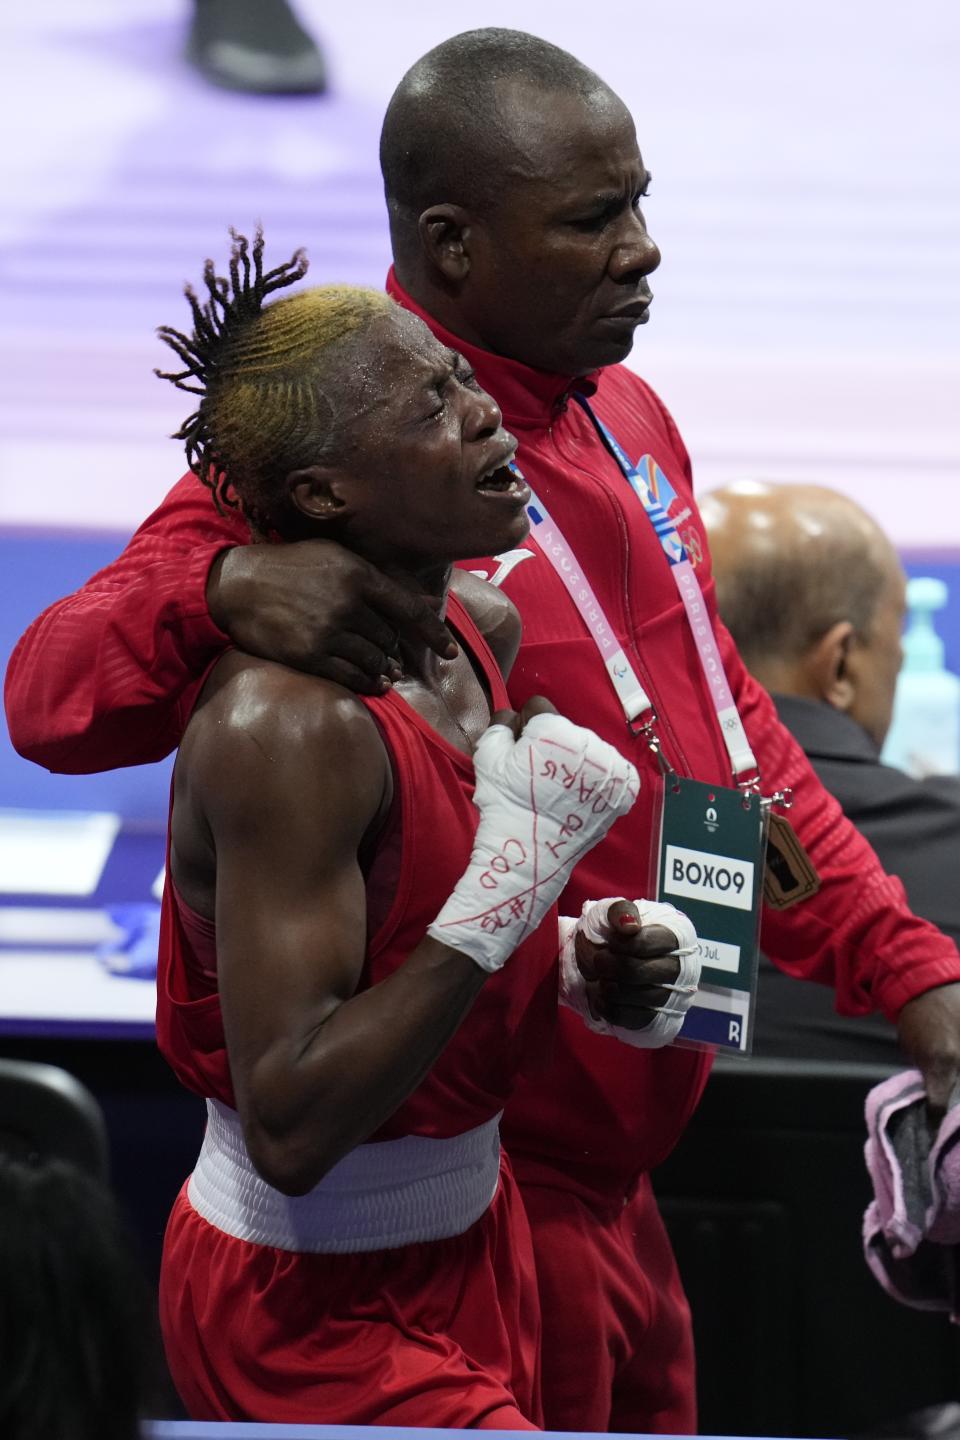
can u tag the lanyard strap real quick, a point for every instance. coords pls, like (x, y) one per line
(629, 689)
(626, 682)
(742, 758)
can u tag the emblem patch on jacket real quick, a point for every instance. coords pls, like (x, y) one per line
(662, 493)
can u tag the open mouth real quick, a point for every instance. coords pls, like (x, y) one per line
(500, 480)
(504, 480)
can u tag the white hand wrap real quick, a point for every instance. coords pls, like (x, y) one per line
(665, 1025)
(544, 800)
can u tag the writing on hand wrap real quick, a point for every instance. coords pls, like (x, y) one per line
(544, 800)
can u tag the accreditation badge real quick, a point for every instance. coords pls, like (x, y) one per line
(711, 866)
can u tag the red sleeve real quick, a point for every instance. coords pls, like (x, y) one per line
(857, 933)
(107, 676)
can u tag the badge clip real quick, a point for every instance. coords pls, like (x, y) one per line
(646, 730)
(783, 798)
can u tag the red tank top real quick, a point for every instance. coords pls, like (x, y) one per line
(419, 857)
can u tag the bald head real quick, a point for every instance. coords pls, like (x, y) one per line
(453, 128)
(514, 183)
(813, 593)
(790, 561)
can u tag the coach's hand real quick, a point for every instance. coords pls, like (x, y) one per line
(317, 607)
(929, 1030)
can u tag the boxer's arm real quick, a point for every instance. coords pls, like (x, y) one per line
(290, 777)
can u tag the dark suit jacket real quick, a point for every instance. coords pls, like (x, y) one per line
(914, 826)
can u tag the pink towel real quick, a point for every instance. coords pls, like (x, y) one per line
(911, 1231)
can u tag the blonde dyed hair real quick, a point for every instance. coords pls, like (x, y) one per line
(262, 373)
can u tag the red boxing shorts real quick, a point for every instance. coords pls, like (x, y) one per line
(443, 1333)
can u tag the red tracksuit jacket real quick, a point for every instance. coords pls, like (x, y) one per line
(106, 677)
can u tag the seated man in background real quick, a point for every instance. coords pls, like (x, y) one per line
(813, 593)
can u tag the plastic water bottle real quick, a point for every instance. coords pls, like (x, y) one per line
(924, 738)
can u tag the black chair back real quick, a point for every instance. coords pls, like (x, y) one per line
(46, 1114)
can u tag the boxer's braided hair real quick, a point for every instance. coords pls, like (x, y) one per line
(259, 372)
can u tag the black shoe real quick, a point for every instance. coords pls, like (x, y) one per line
(255, 45)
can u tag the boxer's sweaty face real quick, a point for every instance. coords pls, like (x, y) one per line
(422, 479)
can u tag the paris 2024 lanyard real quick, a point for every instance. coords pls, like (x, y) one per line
(712, 838)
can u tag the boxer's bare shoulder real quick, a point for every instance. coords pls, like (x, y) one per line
(264, 745)
(493, 613)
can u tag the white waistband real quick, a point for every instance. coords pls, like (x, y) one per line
(388, 1193)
